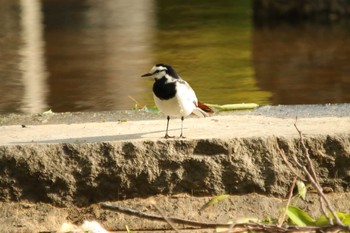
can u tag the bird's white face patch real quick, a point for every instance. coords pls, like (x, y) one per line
(158, 71)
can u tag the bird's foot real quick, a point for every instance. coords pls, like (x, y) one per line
(181, 136)
(167, 136)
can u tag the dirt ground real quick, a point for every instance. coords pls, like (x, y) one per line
(40, 217)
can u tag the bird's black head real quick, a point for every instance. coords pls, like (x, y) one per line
(158, 71)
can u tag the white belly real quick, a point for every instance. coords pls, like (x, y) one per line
(175, 106)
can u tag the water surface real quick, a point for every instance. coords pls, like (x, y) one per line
(89, 55)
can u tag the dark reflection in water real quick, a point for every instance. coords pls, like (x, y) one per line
(303, 64)
(88, 55)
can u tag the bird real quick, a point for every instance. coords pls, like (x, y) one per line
(173, 96)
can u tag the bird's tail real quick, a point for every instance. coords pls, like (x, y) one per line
(202, 110)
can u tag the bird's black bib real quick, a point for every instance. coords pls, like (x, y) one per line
(164, 90)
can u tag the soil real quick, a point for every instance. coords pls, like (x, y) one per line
(43, 217)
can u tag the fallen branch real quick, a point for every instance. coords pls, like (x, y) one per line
(149, 216)
(231, 228)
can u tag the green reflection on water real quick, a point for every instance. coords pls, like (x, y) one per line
(209, 44)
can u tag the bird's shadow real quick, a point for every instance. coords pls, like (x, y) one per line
(93, 139)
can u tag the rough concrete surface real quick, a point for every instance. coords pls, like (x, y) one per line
(77, 165)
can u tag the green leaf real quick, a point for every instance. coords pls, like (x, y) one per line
(299, 217)
(301, 189)
(322, 220)
(344, 217)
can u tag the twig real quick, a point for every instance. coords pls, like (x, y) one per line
(312, 177)
(324, 211)
(327, 202)
(306, 153)
(289, 165)
(296, 161)
(283, 217)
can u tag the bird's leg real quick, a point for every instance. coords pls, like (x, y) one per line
(182, 123)
(167, 126)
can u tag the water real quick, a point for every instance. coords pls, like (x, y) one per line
(89, 55)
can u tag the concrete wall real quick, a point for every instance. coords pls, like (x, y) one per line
(85, 173)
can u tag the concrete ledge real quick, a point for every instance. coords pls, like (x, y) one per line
(234, 153)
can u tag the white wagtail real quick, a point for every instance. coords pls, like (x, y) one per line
(174, 96)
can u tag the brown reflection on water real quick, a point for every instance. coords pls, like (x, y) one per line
(22, 69)
(96, 52)
(10, 42)
(73, 55)
(304, 64)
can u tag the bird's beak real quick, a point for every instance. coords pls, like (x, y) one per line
(146, 75)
